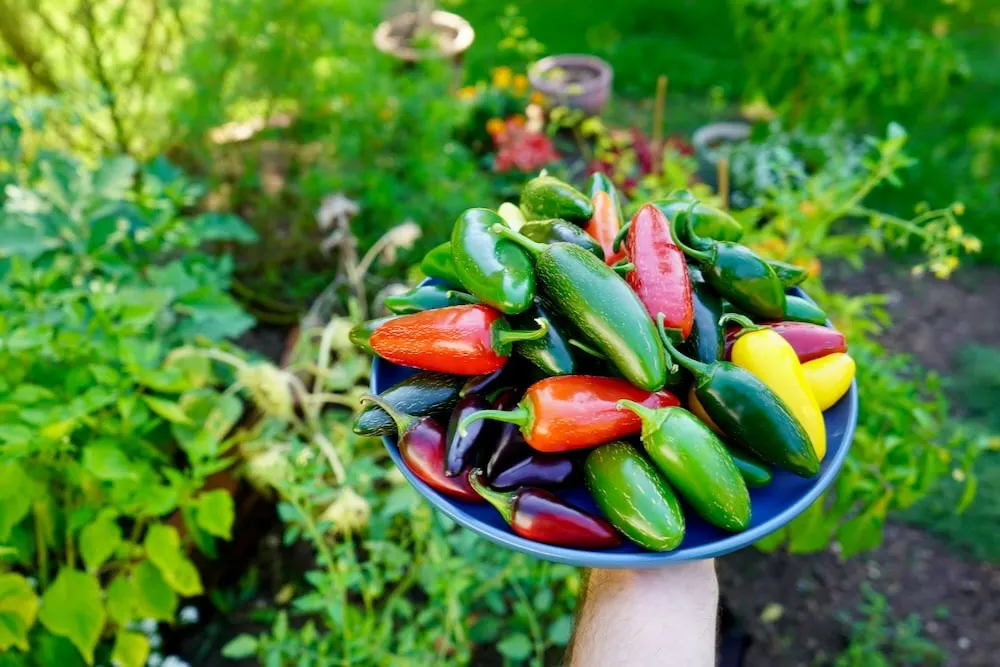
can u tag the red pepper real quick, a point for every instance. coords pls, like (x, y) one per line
(461, 340)
(604, 225)
(660, 276)
(567, 412)
(421, 442)
(810, 341)
(539, 515)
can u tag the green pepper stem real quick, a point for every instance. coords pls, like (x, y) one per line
(696, 367)
(641, 410)
(620, 236)
(504, 502)
(623, 268)
(746, 324)
(586, 348)
(533, 247)
(404, 422)
(508, 336)
(700, 256)
(461, 296)
(518, 415)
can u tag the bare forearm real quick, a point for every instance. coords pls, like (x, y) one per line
(664, 617)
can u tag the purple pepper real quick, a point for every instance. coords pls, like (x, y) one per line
(544, 470)
(478, 384)
(509, 445)
(459, 447)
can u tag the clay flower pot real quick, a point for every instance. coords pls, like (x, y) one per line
(709, 143)
(450, 36)
(573, 80)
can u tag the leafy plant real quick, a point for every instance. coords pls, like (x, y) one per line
(107, 439)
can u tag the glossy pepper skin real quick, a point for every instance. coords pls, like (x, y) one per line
(750, 413)
(829, 378)
(420, 395)
(735, 272)
(608, 217)
(421, 444)
(698, 410)
(462, 340)
(460, 448)
(755, 472)
(438, 263)
(554, 231)
(426, 297)
(634, 497)
(790, 275)
(538, 515)
(552, 353)
(772, 360)
(569, 412)
(709, 222)
(509, 446)
(548, 197)
(660, 277)
(546, 470)
(589, 294)
(696, 464)
(810, 341)
(490, 267)
(361, 333)
(707, 340)
(798, 309)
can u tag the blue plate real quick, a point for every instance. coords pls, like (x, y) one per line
(772, 507)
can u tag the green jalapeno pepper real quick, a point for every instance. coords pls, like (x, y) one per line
(790, 275)
(589, 294)
(552, 231)
(749, 412)
(633, 497)
(421, 395)
(552, 353)
(707, 342)
(798, 309)
(755, 472)
(493, 269)
(548, 197)
(708, 222)
(734, 271)
(438, 264)
(426, 297)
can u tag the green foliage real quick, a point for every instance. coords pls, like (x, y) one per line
(876, 641)
(101, 282)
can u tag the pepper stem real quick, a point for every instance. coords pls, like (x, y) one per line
(504, 502)
(623, 268)
(641, 410)
(404, 422)
(620, 236)
(461, 296)
(700, 256)
(518, 415)
(746, 324)
(508, 336)
(586, 348)
(533, 247)
(696, 367)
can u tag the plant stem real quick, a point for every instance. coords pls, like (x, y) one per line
(533, 626)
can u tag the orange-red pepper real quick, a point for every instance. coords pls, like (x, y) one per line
(604, 225)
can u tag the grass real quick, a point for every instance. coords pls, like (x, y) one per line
(692, 42)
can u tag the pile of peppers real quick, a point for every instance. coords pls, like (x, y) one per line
(650, 360)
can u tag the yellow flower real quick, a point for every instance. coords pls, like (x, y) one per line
(467, 93)
(918, 270)
(520, 84)
(502, 77)
(808, 209)
(972, 244)
(954, 232)
(958, 208)
(495, 126)
(537, 98)
(943, 268)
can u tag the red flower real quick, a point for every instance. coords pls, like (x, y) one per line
(518, 148)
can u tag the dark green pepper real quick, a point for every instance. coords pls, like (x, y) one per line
(589, 294)
(633, 497)
(707, 342)
(552, 231)
(599, 182)
(734, 271)
(492, 268)
(438, 263)
(696, 464)
(708, 222)
(426, 297)
(420, 395)
(360, 333)
(798, 309)
(755, 472)
(552, 353)
(749, 412)
(790, 275)
(548, 197)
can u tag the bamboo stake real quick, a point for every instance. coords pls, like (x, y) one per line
(658, 110)
(722, 171)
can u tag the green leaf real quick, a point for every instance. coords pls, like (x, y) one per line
(769, 543)
(543, 600)
(141, 305)
(114, 177)
(560, 631)
(515, 647)
(213, 416)
(18, 240)
(18, 607)
(72, 608)
(169, 410)
(118, 598)
(223, 227)
(107, 462)
(152, 596)
(99, 540)
(163, 548)
(15, 497)
(241, 646)
(131, 649)
(864, 532)
(214, 513)
(810, 531)
(968, 493)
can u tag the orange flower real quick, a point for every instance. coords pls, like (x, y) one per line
(815, 267)
(808, 208)
(537, 98)
(495, 126)
(467, 93)
(517, 120)
(520, 84)
(502, 77)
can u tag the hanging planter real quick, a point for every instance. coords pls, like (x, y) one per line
(578, 81)
(415, 36)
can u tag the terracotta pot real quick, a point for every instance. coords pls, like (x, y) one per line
(573, 80)
(451, 36)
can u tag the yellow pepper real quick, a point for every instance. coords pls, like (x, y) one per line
(829, 377)
(694, 405)
(772, 360)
